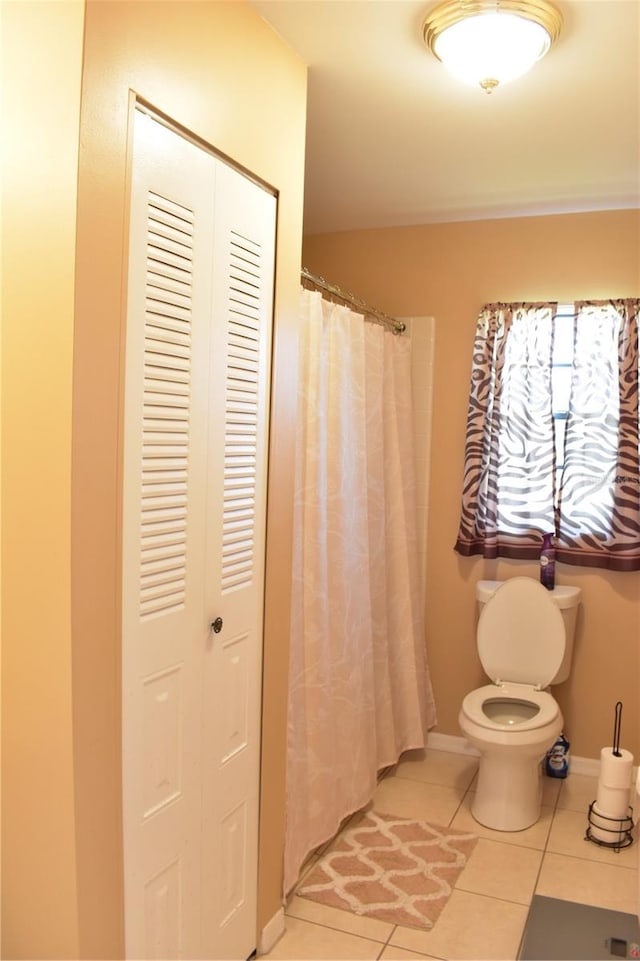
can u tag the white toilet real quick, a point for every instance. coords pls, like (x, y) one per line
(525, 643)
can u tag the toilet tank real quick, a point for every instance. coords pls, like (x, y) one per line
(567, 599)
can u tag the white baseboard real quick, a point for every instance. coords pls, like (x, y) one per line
(584, 765)
(271, 932)
(451, 743)
(460, 745)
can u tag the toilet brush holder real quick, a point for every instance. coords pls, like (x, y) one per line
(609, 832)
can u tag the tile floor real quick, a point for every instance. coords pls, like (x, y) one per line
(485, 917)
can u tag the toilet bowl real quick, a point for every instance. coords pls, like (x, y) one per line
(513, 721)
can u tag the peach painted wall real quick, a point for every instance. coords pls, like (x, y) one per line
(449, 271)
(41, 71)
(220, 71)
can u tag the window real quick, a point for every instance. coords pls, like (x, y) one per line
(552, 434)
(561, 366)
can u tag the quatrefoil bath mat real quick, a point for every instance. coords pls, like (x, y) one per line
(390, 868)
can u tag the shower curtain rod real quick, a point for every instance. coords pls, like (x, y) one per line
(397, 326)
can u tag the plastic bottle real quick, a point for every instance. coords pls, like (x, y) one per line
(557, 760)
(548, 562)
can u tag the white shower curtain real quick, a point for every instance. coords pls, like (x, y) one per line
(359, 686)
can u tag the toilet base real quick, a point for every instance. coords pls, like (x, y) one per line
(509, 795)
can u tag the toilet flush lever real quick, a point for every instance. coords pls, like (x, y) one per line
(216, 626)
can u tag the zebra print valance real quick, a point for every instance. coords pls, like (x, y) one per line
(513, 490)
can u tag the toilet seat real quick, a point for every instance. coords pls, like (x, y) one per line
(548, 709)
(521, 636)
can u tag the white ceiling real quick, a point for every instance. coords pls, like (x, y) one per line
(394, 139)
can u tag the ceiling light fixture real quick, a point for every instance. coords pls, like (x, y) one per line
(490, 42)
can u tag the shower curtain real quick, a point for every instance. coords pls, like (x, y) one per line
(359, 686)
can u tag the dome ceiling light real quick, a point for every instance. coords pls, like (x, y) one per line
(490, 42)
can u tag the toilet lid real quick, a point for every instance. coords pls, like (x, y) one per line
(521, 634)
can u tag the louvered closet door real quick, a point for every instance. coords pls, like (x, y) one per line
(193, 544)
(243, 294)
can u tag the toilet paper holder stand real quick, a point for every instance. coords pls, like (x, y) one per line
(619, 828)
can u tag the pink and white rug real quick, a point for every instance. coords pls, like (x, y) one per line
(390, 868)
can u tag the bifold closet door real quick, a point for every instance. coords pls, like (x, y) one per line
(198, 340)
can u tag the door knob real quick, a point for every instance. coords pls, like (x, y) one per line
(217, 625)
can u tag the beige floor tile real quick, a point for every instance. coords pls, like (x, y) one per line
(303, 941)
(392, 953)
(306, 910)
(567, 837)
(439, 767)
(533, 837)
(551, 790)
(577, 792)
(588, 882)
(470, 927)
(414, 799)
(501, 870)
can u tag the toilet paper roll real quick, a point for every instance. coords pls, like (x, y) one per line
(616, 771)
(609, 830)
(614, 783)
(613, 801)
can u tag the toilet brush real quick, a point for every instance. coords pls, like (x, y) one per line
(610, 815)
